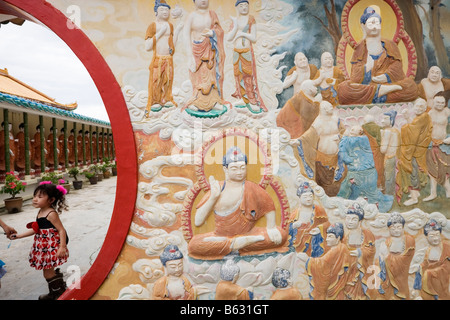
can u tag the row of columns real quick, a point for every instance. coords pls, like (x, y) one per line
(77, 145)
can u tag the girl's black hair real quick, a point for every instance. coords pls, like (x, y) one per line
(52, 192)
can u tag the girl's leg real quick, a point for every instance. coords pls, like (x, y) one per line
(49, 273)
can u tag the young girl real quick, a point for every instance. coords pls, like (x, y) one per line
(49, 249)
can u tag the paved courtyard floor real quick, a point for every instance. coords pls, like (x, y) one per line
(86, 222)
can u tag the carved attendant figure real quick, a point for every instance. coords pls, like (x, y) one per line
(438, 154)
(361, 244)
(390, 143)
(377, 73)
(227, 289)
(318, 150)
(204, 39)
(300, 111)
(433, 84)
(238, 204)
(432, 279)
(329, 273)
(396, 253)
(415, 139)
(281, 280)
(300, 72)
(308, 224)
(161, 39)
(174, 285)
(243, 34)
(328, 78)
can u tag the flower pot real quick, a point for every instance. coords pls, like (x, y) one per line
(93, 180)
(100, 176)
(106, 174)
(77, 184)
(66, 186)
(13, 205)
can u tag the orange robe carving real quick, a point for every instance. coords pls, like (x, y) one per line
(20, 159)
(71, 146)
(357, 272)
(255, 204)
(330, 94)
(415, 139)
(12, 151)
(160, 291)
(298, 114)
(207, 79)
(226, 290)
(50, 154)
(286, 294)
(302, 239)
(397, 271)
(329, 273)
(161, 71)
(435, 275)
(353, 91)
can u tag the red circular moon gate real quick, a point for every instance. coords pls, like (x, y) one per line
(113, 99)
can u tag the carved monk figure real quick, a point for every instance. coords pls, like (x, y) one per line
(376, 73)
(87, 147)
(433, 84)
(238, 204)
(438, 154)
(37, 150)
(361, 178)
(62, 154)
(329, 273)
(20, 160)
(300, 111)
(204, 39)
(50, 155)
(242, 35)
(432, 278)
(390, 143)
(94, 147)
(12, 148)
(373, 132)
(281, 280)
(227, 289)
(328, 78)
(361, 244)
(174, 285)
(161, 39)
(80, 146)
(415, 139)
(308, 224)
(71, 144)
(318, 150)
(396, 253)
(302, 71)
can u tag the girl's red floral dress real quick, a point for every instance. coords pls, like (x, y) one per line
(45, 246)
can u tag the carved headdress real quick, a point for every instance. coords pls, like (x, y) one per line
(337, 229)
(238, 2)
(160, 3)
(303, 188)
(234, 154)
(370, 12)
(171, 252)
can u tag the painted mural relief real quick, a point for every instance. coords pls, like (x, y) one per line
(273, 170)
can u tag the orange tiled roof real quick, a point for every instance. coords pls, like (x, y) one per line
(13, 86)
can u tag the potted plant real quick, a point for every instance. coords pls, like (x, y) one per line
(13, 186)
(56, 179)
(74, 172)
(91, 176)
(114, 169)
(96, 169)
(105, 170)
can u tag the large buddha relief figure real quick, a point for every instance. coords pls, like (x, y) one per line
(376, 74)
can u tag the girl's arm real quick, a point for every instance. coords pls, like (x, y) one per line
(53, 217)
(22, 235)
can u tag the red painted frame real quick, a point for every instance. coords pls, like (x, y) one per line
(115, 104)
